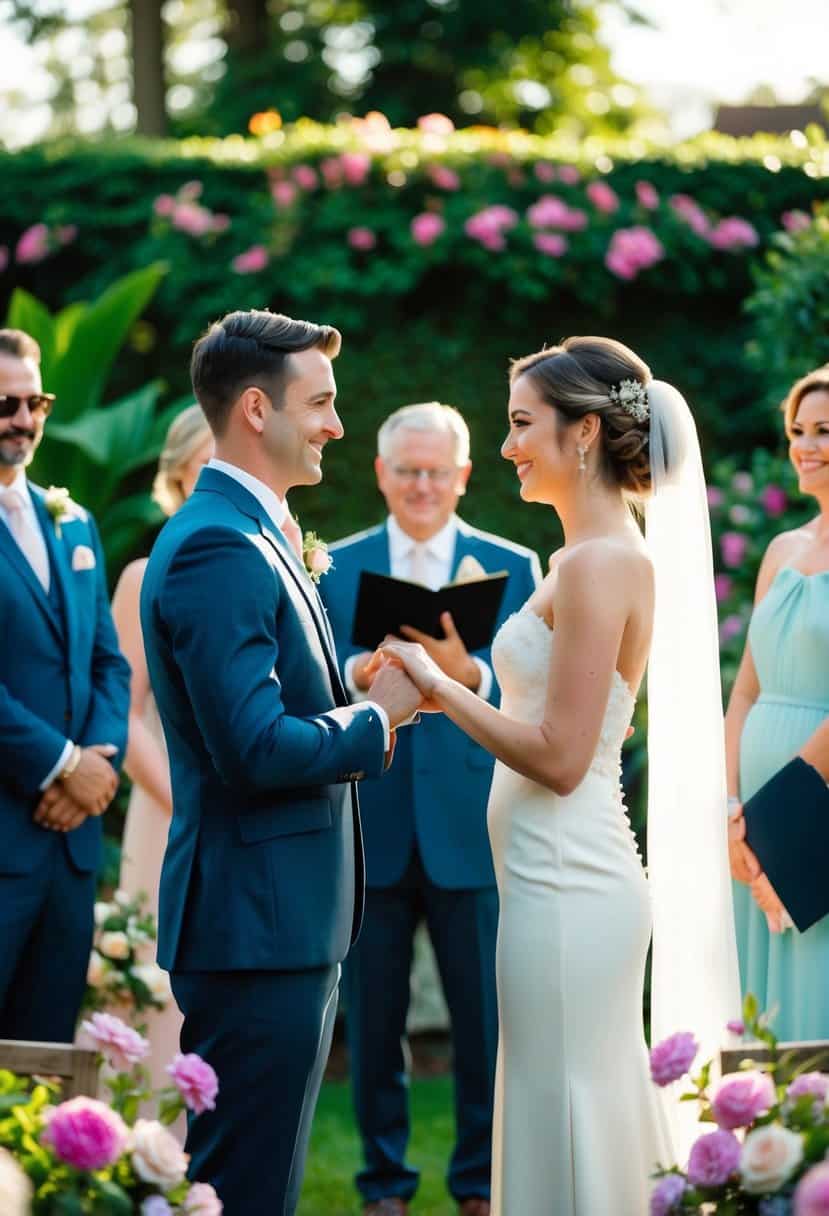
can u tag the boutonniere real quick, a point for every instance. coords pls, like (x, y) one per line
(316, 557)
(58, 503)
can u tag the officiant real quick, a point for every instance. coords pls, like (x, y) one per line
(424, 825)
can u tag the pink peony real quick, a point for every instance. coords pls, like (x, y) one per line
(284, 194)
(356, 167)
(202, 1200)
(774, 500)
(715, 496)
(121, 1046)
(435, 124)
(743, 483)
(632, 250)
(488, 226)
(427, 227)
(192, 218)
(305, 177)
(443, 177)
(741, 1097)
(795, 221)
(714, 1158)
(164, 205)
(734, 233)
(551, 243)
(689, 210)
(733, 547)
(361, 238)
(4, 257)
(647, 196)
(551, 212)
(569, 174)
(736, 1025)
(667, 1194)
(86, 1134)
(544, 171)
(723, 586)
(195, 1080)
(731, 627)
(672, 1058)
(812, 1084)
(33, 245)
(251, 261)
(603, 197)
(811, 1198)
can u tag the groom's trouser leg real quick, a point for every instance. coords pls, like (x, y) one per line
(376, 986)
(267, 1035)
(463, 926)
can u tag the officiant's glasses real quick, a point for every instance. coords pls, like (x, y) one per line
(438, 477)
(38, 403)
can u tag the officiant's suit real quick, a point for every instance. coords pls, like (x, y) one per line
(427, 855)
(63, 680)
(262, 884)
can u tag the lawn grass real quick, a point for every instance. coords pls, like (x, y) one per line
(335, 1151)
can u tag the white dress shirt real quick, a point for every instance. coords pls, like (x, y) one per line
(277, 509)
(434, 557)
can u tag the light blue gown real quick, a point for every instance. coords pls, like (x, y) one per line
(789, 638)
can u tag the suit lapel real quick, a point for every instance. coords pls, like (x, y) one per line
(464, 546)
(12, 553)
(60, 563)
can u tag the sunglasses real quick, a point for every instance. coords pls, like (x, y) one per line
(38, 403)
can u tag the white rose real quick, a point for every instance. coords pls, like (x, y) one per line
(157, 1155)
(155, 979)
(122, 898)
(769, 1157)
(103, 911)
(96, 970)
(15, 1187)
(114, 944)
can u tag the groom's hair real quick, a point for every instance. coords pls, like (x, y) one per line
(251, 348)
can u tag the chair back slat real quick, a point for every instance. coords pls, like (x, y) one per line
(75, 1067)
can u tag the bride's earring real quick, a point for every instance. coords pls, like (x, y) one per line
(582, 451)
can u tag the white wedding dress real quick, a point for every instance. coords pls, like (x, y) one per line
(577, 1129)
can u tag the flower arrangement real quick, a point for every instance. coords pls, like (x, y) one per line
(316, 557)
(58, 503)
(87, 1157)
(121, 974)
(767, 1153)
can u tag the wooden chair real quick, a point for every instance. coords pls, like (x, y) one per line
(75, 1067)
(811, 1056)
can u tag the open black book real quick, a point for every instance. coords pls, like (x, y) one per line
(787, 826)
(385, 603)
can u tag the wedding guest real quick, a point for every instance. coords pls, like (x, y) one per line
(424, 825)
(64, 695)
(779, 708)
(187, 448)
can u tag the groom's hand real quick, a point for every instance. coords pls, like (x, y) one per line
(394, 691)
(448, 652)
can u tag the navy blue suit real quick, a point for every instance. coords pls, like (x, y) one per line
(62, 677)
(262, 884)
(427, 855)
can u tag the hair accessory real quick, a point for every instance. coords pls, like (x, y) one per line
(632, 396)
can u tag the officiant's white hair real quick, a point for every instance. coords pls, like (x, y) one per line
(426, 416)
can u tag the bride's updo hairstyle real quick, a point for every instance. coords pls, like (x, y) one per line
(576, 378)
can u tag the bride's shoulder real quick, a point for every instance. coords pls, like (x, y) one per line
(605, 559)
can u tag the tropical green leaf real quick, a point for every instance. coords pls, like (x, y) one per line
(28, 314)
(109, 1199)
(119, 438)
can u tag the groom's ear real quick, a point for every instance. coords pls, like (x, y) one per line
(254, 406)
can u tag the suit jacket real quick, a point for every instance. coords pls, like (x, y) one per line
(264, 865)
(437, 788)
(62, 677)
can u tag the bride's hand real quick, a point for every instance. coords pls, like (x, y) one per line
(422, 670)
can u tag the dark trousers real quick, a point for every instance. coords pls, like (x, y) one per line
(46, 924)
(267, 1035)
(462, 926)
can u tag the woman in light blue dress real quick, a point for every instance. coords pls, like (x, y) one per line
(779, 708)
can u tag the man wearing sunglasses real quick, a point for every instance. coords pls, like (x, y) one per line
(64, 698)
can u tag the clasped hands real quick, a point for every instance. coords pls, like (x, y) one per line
(746, 868)
(87, 790)
(427, 661)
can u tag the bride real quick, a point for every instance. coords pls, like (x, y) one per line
(578, 1129)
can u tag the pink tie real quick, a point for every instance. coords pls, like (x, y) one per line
(31, 544)
(293, 534)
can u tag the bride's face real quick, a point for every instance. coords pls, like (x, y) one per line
(542, 457)
(809, 443)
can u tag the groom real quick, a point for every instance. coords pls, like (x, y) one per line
(262, 884)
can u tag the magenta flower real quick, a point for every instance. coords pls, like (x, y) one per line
(734, 233)
(251, 261)
(33, 245)
(715, 496)
(689, 210)
(811, 1197)
(731, 627)
(284, 194)
(552, 212)
(544, 171)
(774, 500)
(121, 1046)
(164, 205)
(795, 221)
(569, 174)
(723, 585)
(733, 547)
(735, 1025)
(196, 1081)
(647, 196)
(812, 1084)
(361, 238)
(741, 1097)
(443, 177)
(603, 197)
(86, 1134)
(192, 218)
(672, 1058)
(743, 482)
(632, 250)
(714, 1158)
(435, 124)
(356, 167)
(667, 1194)
(427, 227)
(305, 177)
(488, 226)
(551, 243)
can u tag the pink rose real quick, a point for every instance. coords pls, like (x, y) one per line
(723, 586)
(305, 177)
(361, 238)
(811, 1084)
(86, 1134)
(547, 212)
(192, 218)
(769, 1157)
(156, 1155)
(488, 226)
(356, 167)
(714, 1158)
(672, 1057)
(811, 1198)
(774, 500)
(284, 194)
(743, 483)
(715, 496)
(195, 1080)
(632, 250)
(544, 171)
(667, 1194)
(735, 1025)
(731, 627)
(443, 177)
(569, 174)
(795, 221)
(689, 210)
(603, 197)
(647, 196)
(435, 124)
(164, 205)
(251, 261)
(733, 547)
(427, 227)
(734, 233)
(551, 243)
(741, 1097)
(202, 1200)
(33, 245)
(121, 1046)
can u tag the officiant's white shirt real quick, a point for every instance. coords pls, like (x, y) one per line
(428, 562)
(277, 509)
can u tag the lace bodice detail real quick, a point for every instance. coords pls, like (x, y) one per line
(521, 659)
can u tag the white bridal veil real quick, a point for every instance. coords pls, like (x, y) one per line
(694, 984)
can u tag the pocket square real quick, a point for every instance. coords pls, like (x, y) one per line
(469, 569)
(83, 558)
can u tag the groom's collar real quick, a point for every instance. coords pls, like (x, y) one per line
(273, 506)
